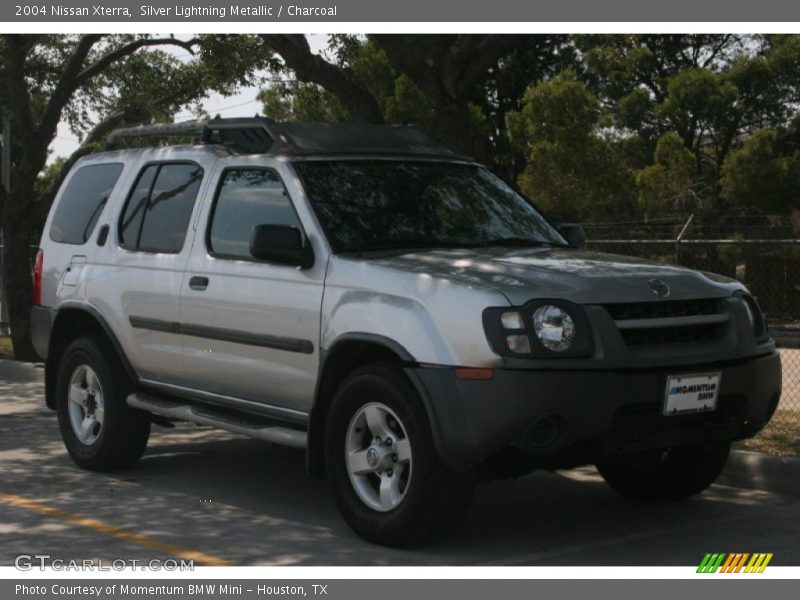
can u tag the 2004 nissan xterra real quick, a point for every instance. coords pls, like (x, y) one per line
(396, 310)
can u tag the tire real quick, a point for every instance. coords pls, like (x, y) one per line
(423, 500)
(91, 373)
(666, 475)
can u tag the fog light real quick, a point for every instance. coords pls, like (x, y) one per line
(519, 344)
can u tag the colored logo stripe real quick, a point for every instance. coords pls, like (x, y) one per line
(734, 562)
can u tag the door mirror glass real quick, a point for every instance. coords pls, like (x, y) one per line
(281, 244)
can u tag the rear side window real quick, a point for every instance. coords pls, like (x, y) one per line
(158, 210)
(246, 198)
(82, 202)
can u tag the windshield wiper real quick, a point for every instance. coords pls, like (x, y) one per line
(408, 244)
(517, 242)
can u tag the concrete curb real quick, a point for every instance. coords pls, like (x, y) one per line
(756, 471)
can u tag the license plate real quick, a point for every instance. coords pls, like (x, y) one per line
(691, 393)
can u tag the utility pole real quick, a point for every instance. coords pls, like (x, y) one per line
(5, 182)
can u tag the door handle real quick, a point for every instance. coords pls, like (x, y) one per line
(198, 283)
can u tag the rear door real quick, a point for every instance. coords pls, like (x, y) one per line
(251, 328)
(139, 269)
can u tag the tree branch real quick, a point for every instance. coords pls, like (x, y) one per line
(105, 61)
(312, 68)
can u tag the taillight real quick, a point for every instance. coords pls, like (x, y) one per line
(37, 278)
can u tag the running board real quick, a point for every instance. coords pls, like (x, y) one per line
(284, 436)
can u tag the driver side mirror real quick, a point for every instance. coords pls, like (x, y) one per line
(573, 233)
(281, 244)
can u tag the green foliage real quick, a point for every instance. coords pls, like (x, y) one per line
(572, 170)
(666, 186)
(304, 102)
(763, 174)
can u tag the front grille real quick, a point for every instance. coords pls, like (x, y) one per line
(671, 335)
(657, 310)
(639, 335)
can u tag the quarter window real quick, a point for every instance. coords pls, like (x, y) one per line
(246, 198)
(82, 202)
(157, 214)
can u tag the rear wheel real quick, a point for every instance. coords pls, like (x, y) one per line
(667, 474)
(384, 471)
(100, 431)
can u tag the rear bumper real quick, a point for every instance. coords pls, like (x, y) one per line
(583, 415)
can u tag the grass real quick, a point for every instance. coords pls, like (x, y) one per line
(5, 348)
(780, 438)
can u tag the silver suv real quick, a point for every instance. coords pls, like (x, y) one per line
(396, 310)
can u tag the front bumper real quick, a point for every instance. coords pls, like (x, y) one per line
(570, 417)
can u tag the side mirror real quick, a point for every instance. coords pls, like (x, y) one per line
(281, 244)
(573, 233)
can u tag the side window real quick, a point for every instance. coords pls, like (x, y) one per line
(157, 214)
(132, 217)
(246, 198)
(82, 202)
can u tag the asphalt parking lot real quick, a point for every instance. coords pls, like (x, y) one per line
(222, 499)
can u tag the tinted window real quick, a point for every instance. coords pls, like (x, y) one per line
(82, 203)
(131, 225)
(246, 198)
(158, 211)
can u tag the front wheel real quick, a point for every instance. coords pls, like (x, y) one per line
(666, 474)
(384, 471)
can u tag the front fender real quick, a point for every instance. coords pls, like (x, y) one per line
(404, 321)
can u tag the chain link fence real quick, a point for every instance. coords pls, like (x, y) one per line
(762, 253)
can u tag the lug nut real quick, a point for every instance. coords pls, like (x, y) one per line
(390, 472)
(394, 457)
(388, 441)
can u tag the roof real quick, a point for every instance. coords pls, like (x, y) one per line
(260, 135)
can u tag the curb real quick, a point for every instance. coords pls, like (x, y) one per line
(757, 471)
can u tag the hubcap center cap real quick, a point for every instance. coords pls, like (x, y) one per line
(379, 457)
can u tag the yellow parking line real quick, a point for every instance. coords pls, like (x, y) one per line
(112, 530)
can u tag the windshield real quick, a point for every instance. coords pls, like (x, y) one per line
(380, 205)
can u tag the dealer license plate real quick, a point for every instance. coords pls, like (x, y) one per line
(691, 393)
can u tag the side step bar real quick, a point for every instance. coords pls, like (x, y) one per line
(276, 434)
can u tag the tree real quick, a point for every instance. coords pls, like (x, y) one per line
(712, 90)
(573, 170)
(763, 174)
(668, 186)
(96, 83)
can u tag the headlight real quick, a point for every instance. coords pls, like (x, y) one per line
(554, 327)
(542, 328)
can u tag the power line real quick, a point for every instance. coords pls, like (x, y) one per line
(220, 109)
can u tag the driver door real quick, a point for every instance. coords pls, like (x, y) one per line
(250, 328)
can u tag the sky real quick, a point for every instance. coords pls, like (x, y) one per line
(241, 104)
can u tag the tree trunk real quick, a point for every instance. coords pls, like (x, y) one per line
(17, 271)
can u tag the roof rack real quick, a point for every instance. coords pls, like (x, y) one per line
(252, 135)
(262, 135)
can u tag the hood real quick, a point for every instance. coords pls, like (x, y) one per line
(579, 276)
